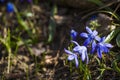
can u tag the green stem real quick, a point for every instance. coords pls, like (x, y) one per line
(27, 73)
(36, 65)
(9, 56)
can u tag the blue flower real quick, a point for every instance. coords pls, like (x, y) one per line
(73, 34)
(81, 50)
(72, 56)
(10, 7)
(91, 36)
(101, 47)
(77, 50)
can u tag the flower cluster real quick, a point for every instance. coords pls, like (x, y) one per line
(91, 39)
(77, 50)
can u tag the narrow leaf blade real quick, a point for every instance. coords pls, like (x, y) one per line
(118, 40)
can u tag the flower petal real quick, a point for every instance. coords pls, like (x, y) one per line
(76, 62)
(68, 52)
(84, 52)
(77, 49)
(86, 55)
(83, 56)
(73, 34)
(99, 52)
(102, 39)
(75, 43)
(105, 49)
(84, 35)
(87, 41)
(108, 45)
(71, 57)
(97, 38)
(95, 33)
(93, 47)
(88, 30)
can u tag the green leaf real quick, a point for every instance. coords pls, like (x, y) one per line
(118, 40)
(52, 24)
(115, 67)
(51, 28)
(112, 13)
(112, 35)
(22, 23)
(109, 10)
(98, 2)
(54, 10)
